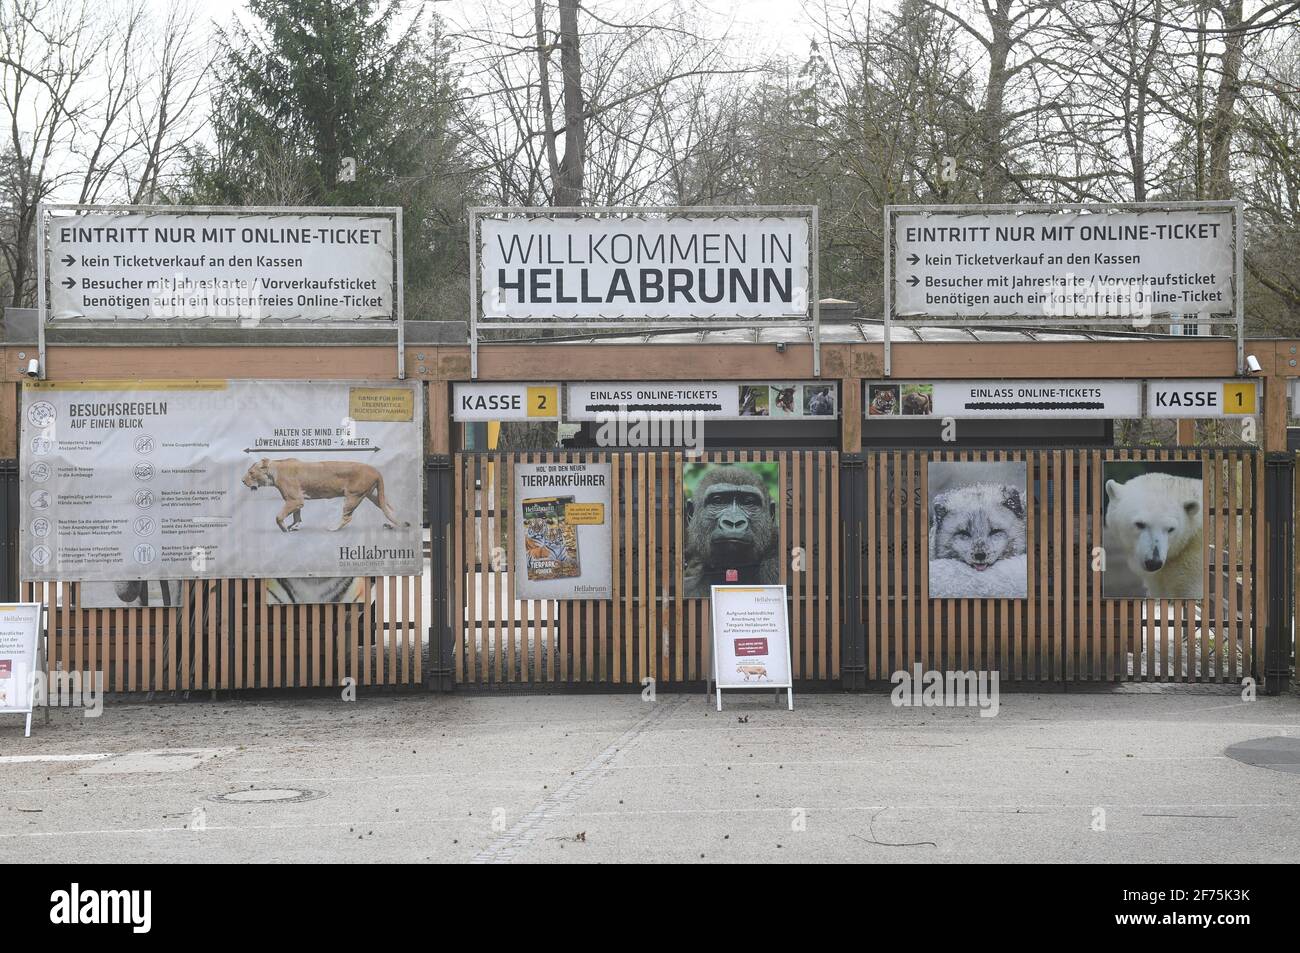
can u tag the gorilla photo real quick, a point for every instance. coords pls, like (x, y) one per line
(731, 524)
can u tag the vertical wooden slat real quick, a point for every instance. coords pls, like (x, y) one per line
(1208, 589)
(392, 614)
(458, 569)
(898, 659)
(417, 586)
(618, 545)
(482, 562)
(61, 618)
(661, 495)
(1101, 666)
(644, 529)
(676, 504)
(628, 549)
(1258, 567)
(807, 540)
(831, 574)
(1043, 599)
(876, 540)
(1233, 555)
(1067, 545)
(1218, 607)
(516, 626)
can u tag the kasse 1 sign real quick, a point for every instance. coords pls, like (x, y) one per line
(220, 267)
(558, 268)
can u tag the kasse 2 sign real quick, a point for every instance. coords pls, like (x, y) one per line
(559, 268)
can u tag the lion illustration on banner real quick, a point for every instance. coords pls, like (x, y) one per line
(299, 481)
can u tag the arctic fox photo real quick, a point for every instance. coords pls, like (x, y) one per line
(1154, 523)
(977, 530)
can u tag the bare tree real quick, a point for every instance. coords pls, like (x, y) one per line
(95, 100)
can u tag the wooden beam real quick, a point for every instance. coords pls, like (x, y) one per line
(439, 411)
(851, 415)
(10, 426)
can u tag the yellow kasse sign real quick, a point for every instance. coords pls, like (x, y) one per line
(381, 403)
(1239, 398)
(584, 514)
(544, 402)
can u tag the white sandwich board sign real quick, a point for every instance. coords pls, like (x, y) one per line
(20, 636)
(751, 640)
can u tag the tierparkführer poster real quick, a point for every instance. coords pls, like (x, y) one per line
(220, 479)
(562, 531)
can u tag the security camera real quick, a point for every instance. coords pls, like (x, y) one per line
(1252, 364)
(33, 368)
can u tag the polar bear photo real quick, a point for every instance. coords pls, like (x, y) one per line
(1154, 531)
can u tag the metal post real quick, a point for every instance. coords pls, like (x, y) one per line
(815, 281)
(1279, 513)
(853, 645)
(9, 516)
(473, 294)
(400, 265)
(1238, 282)
(887, 284)
(438, 503)
(40, 288)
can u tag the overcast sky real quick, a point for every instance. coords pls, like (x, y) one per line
(770, 25)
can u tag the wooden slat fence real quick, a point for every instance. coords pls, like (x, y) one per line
(649, 629)
(1065, 630)
(226, 635)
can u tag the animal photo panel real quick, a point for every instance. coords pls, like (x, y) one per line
(731, 526)
(977, 530)
(1154, 531)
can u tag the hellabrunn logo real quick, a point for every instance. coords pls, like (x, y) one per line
(98, 907)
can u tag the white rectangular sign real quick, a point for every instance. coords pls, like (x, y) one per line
(1223, 398)
(480, 402)
(220, 267)
(969, 399)
(1295, 398)
(716, 400)
(1063, 264)
(20, 630)
(563, 546)
(640, 268)
(751, 639)
(220, 479)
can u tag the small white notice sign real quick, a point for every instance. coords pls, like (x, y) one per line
(751, 639)
(20, 628)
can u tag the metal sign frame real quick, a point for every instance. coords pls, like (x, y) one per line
(1159, 319)
(478, 213)
(46, 212)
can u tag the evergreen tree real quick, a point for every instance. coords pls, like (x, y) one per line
(310, 84)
